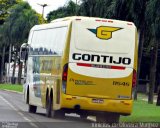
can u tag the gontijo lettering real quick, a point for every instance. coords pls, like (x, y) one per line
(101, 58)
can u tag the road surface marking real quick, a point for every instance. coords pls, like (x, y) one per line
(8, 103)
(34, 125)
(21, 114)
(91, 118)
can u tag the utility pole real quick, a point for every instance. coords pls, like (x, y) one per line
(43, 6)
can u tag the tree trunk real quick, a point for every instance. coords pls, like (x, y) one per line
(140, 52)
(158, 98)
(2, 66)
(14, 68)
(9, 63)
(20, 72)
(153, 66)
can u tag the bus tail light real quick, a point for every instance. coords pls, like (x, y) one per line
(134, 78)
(64, 78)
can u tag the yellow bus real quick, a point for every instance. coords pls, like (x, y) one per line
(82, 65)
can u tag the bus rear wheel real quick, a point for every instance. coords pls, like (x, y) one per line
(53, 113)
(48, 107)
(32, 108)
(108, 118)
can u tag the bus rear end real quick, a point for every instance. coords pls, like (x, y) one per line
(101, 71)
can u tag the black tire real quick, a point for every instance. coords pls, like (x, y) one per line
(108, 118)
(48, 107)
(32, 108)
(27, 98)
(53, 113)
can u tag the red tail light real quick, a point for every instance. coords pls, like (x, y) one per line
(64, 78)
(65, 72)
(134, 78)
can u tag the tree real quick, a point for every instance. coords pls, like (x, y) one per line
(153, 15)
(96, 8)
(158, 99)
(69, 10)
(4, 6)
(3, 56)
(87, 7)
(17, 26)
(27, 18)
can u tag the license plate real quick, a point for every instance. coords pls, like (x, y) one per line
(98, 101)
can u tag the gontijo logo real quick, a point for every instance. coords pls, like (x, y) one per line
(104, 32)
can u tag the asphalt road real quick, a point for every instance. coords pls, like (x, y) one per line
(14, 114)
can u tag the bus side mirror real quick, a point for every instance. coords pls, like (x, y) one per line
(24, 52)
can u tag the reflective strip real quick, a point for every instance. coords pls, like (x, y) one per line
(101, 66)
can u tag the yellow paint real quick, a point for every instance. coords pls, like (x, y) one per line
(109, 105)
(50, 70)
(104, 32)
(101, 88)
(55, 67)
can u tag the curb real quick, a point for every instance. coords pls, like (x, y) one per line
(12, 91)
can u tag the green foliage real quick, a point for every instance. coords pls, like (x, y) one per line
(153, 17)
(91, 8)
(68, 10)
(4, 6)
(129, 10)
(19, 23)
(41, 20)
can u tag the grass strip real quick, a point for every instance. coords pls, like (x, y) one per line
(12, 87)
(143, 112)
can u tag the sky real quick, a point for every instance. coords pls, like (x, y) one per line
(52, 5)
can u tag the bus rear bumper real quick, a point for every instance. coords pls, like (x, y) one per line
(123, 107)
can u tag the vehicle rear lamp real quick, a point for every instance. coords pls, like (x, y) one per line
(64, 78)
(134, 78)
